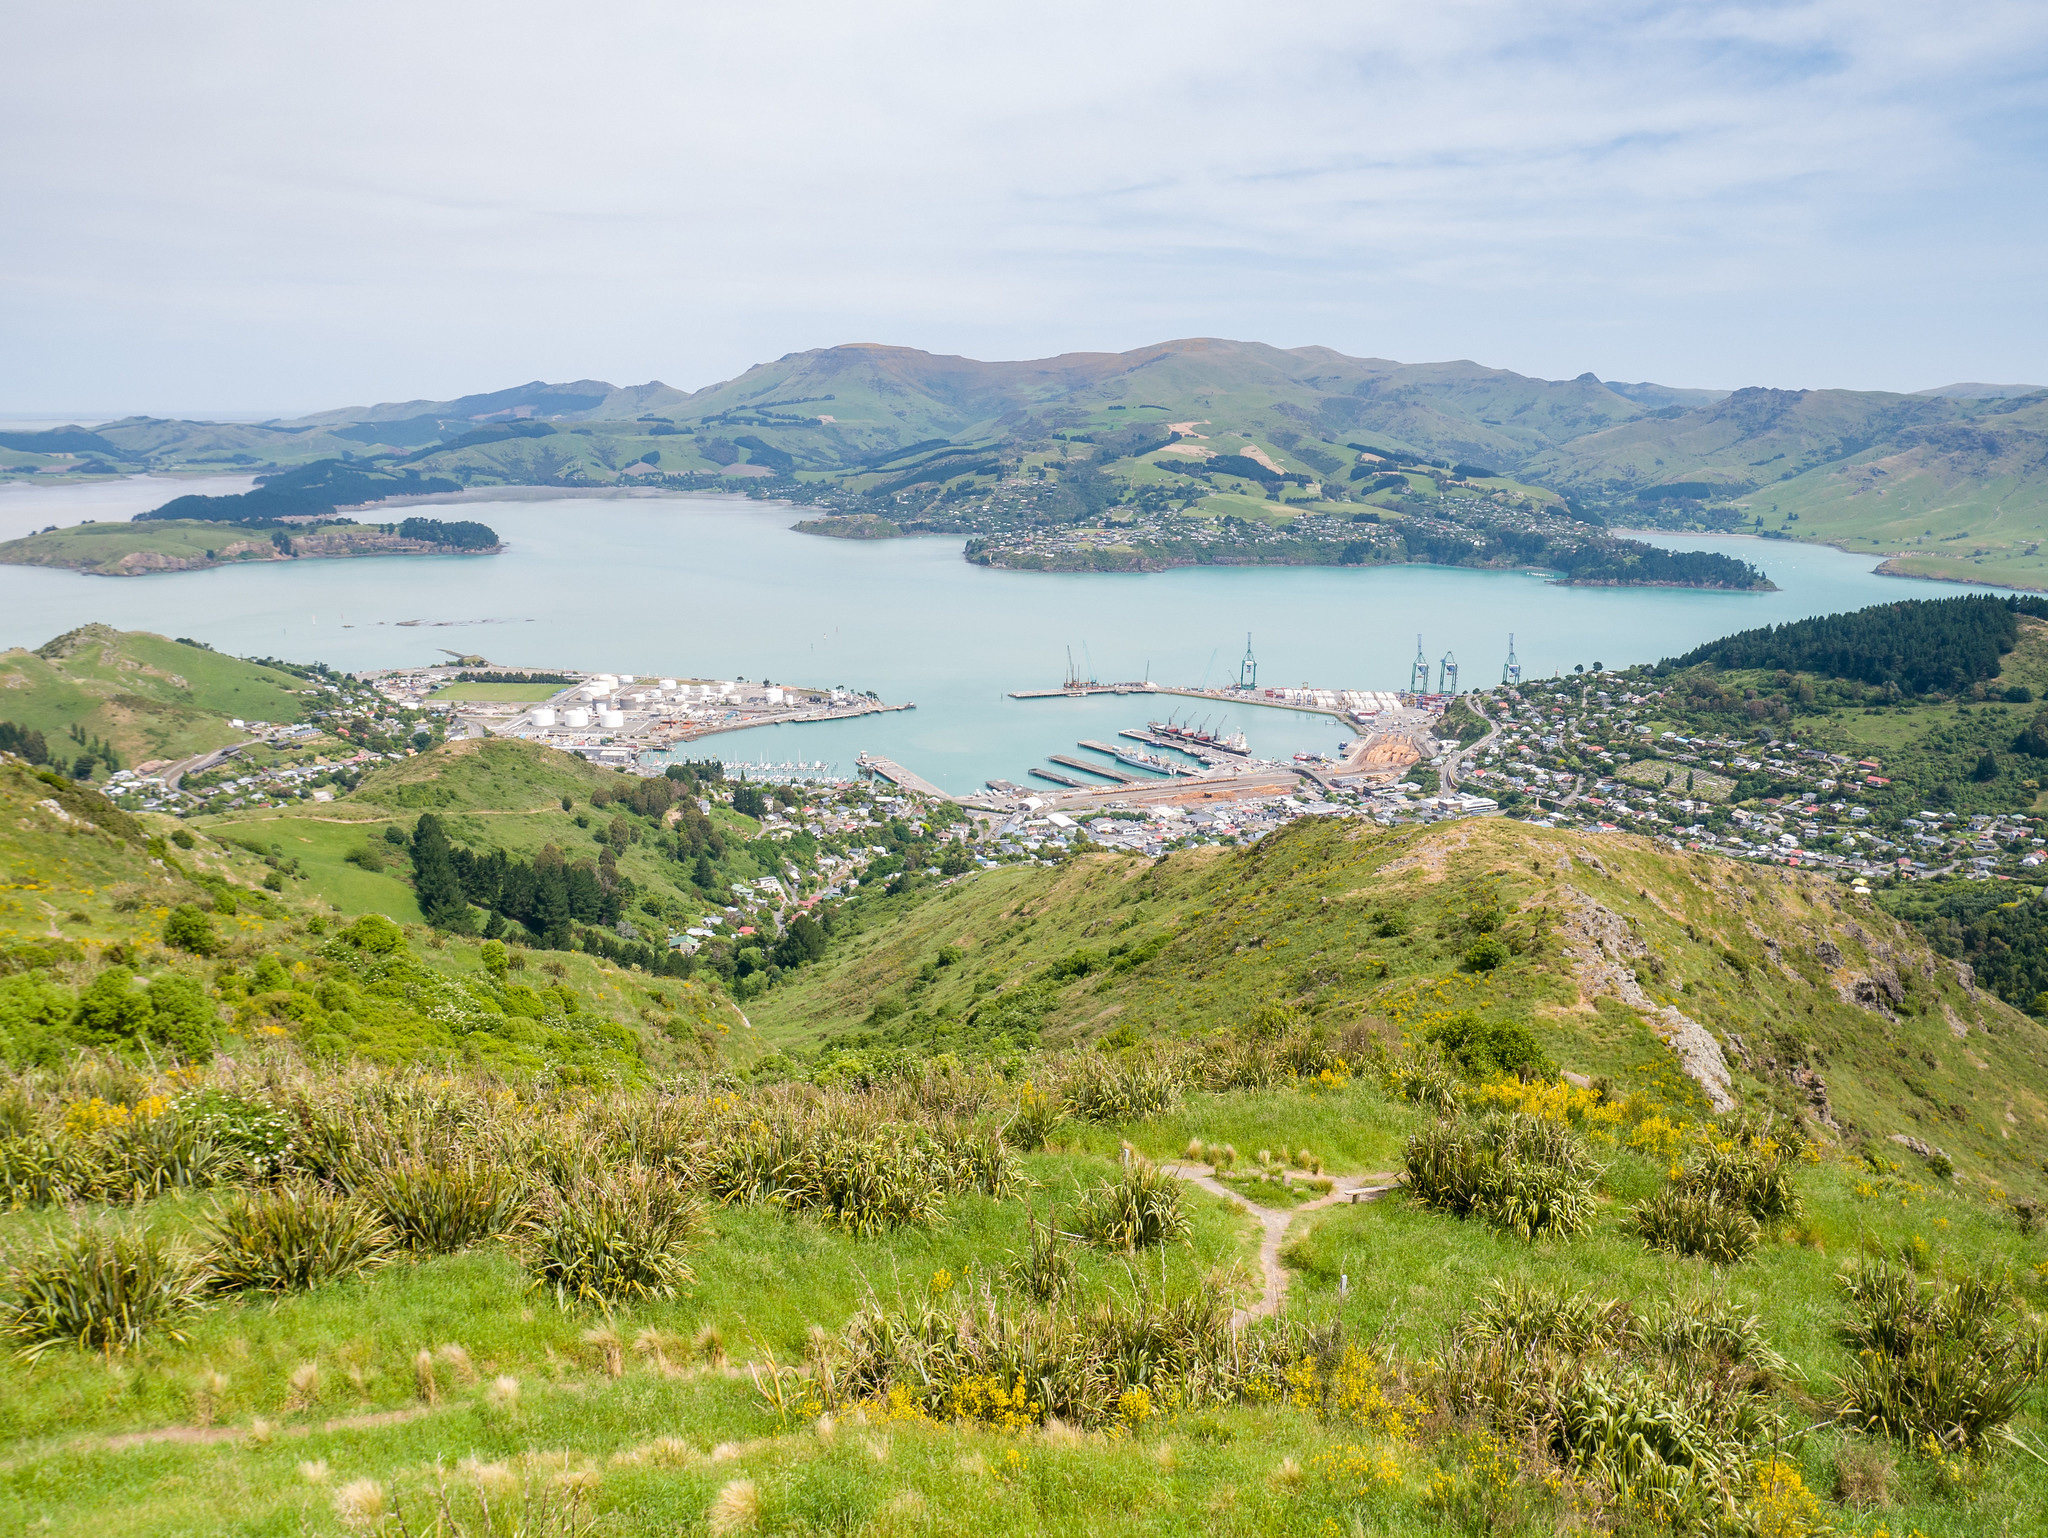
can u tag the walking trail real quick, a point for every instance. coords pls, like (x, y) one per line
(1274, 1223)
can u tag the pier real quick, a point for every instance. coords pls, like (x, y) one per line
(1138, 761)
(897, 775)
(1069, 761)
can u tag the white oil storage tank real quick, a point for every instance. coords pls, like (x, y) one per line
(611, 720)
(544, 715)
(576, 720)
(774, 696)
(668, 685)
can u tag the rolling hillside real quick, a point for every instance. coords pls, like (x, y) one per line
(145, 696)
(1952, 481)
(1691, 978)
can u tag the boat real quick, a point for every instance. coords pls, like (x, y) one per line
(1135, 757)
(1174, 731)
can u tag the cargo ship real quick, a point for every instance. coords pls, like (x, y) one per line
(1194, 736)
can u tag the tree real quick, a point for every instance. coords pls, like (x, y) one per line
(1987, 768)
(434, 878)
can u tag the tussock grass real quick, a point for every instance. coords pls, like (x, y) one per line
(1693, 1222)
(1528, 1175)
(621, 1237)
(439, 1206)
(293, 1236)
(1137, 1210)
(100, 1287)
(1946, 1360)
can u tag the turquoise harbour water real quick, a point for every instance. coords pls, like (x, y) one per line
(719, 587)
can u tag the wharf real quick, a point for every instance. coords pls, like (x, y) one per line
(1214, 696)
(897, 775)
(696, 729)
(1062, 779)
(1164, 766)
(1076, 691)
(1067, 760)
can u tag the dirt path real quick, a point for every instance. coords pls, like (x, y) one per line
(1274, 1223)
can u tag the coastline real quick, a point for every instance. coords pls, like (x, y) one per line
(60, 550)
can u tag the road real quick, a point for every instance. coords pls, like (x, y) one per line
(1447, 778)
(200, 763)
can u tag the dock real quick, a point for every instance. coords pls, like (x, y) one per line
(1064, 779)
(897, 775)
(1068, 761)
(1119, 754)
(1078, 691)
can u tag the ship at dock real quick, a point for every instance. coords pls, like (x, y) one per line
(1137, 758)
(1197, 737)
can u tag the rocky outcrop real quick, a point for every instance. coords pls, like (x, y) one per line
(1604, 949)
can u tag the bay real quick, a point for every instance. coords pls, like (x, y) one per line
(718, 587)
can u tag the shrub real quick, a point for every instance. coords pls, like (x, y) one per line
(1481, 1046)
(253, 1131)
(1485, 953)
(1038, 1115)
(1138, 1209)
(190, 929)
(620, 1236)
(1046, 1268)
(293, 1236)
(100, 1288)
(1695, 1222)
(439, 1206)
(1932, 1360)
(1756, 1176)
(1523, 1173)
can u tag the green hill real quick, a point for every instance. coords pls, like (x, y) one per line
(1950, 483)
(520, 1232)
(1608, 941)
(147, 697)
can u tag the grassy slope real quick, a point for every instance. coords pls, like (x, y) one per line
(490, 793)
(149, 696)
(1294, 920)
(1290, 919)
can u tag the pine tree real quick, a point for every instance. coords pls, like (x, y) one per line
(435, 880)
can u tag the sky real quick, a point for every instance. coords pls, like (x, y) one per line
(241, 208)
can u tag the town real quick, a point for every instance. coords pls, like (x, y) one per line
(1604, 751)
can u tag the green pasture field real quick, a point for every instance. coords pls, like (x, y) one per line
(498, 692)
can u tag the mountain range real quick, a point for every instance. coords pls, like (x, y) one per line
(1907, 474)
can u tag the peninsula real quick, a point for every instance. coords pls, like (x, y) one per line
(1184, 452)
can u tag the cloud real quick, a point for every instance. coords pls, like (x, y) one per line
(238, 205)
